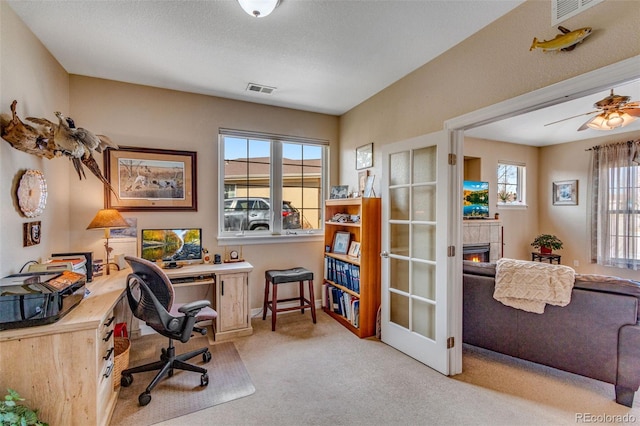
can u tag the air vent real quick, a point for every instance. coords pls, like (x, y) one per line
(259, 88)
(565, 9)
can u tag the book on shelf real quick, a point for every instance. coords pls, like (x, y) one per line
(343, 273)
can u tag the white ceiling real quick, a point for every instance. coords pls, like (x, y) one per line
(323, 56)
(533, 128)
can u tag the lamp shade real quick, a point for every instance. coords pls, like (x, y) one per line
(108, 218)
(258, 8)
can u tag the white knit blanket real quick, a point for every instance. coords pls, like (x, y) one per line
(530, 286)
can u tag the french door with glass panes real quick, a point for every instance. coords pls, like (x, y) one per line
(415, 255)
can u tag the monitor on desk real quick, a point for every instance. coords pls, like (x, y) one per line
(174, 247)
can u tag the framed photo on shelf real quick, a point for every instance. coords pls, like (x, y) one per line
(354, 249)
(364, 156)
(362, 182)
(368, 188)
(565, 193)
(341, 242)
(339, 191)
(150, 179)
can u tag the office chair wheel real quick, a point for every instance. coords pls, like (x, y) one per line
(126, 380)
(204, 380)
(206, 357)
(170, 373)
(144, 398)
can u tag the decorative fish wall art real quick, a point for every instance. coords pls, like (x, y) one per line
(566, 41)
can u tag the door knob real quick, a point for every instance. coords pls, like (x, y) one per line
(384, 254)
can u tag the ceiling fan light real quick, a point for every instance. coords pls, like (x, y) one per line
(627, 119)
(615, 119)
(258, 8)
(599, 123)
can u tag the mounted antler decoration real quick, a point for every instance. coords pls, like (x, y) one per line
(49, 140)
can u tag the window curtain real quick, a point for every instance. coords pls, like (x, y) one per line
(615, 206)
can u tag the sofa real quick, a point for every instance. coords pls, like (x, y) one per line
(596, 335)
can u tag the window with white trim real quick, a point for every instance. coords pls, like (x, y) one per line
(511, 178)
(259, 171)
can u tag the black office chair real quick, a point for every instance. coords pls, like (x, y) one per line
(150, 295)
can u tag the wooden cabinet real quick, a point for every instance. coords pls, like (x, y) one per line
(351, 287)
(232, 303)
(65, 369)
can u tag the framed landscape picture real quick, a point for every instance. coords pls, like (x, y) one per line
(150, 179)
(565, 193)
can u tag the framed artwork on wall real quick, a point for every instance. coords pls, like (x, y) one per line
(565, 193)
(364, 156)
(151, 179)
(31, 233)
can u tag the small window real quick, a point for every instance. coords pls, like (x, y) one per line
(511, 184)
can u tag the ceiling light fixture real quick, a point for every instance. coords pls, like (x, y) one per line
(258, 8)
(611, 120)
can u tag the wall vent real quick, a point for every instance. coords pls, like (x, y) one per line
(565, 9)
(259, 88)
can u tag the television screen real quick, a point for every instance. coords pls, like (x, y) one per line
(475, 199)
(172, 245)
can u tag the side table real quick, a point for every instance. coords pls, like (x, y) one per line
(543, 257)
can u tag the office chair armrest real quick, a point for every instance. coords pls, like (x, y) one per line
(192, 308)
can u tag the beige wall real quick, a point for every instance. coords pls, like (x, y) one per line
(30, 75)
(131, 115)
(519, 223)
(570, 223)
(492, 66)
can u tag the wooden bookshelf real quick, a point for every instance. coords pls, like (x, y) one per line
(367, 233)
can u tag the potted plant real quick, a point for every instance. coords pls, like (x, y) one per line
(547, 243)
(13, 413)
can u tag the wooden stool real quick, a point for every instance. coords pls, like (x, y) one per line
(283, 276)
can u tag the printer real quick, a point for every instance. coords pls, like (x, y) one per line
(38, 298)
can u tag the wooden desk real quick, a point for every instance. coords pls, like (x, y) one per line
(230, 295)
(542, 257)
(62, 369)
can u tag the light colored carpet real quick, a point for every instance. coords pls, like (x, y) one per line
(322, 374)
(182, 393)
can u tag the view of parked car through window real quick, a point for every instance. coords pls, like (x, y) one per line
(253, 214)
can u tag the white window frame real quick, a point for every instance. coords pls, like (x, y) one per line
(521, 202)
(275, 235)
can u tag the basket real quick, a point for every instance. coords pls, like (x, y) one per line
(121, 347)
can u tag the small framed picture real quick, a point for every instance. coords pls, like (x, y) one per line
(31, 234)
(339, 191)
(368, 188)
(341, 242)
(364, 156)
(565, 193)
(362, 181)
(354, 249)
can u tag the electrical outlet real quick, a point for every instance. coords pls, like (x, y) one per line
(576, 263)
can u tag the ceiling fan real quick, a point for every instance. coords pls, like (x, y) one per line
(613, 111)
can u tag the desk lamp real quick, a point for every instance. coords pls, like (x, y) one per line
(108, 219)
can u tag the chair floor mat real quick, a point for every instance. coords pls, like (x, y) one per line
(181, 394)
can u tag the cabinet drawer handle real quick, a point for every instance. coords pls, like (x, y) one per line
(109, 370)
(222, 288)
(110, 321)
(108, 336)
(108, 355)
